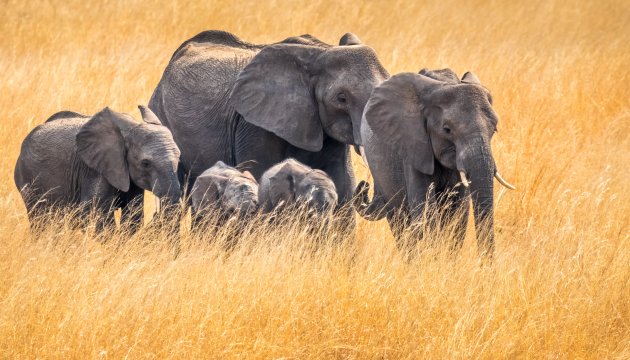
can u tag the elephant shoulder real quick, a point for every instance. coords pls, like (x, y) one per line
(65, 115)
(214, 37)
(305, 39)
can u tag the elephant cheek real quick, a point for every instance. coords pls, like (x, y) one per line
(448, 160)
(340, 130)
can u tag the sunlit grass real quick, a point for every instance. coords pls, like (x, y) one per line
(559, 285)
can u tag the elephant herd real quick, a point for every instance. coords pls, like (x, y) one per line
(291, 111)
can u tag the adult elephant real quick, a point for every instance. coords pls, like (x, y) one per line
(427, 140)
(228, 100)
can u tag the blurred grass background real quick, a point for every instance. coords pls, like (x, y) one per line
(559, 287)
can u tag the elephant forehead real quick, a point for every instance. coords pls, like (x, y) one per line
(238, 181)
(359, 58)
(465, 96)
(155, 135)
(319, 181)
(155, 151)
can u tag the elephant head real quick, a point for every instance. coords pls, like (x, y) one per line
(291, 182)
(227, 189)
(434, 116)
(303, 90)
(125, 151)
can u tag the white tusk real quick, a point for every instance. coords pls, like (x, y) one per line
(503, 182)
(462, 175)
(157, 203)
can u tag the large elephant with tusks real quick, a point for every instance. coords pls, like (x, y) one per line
(426, 139)
(228, 100)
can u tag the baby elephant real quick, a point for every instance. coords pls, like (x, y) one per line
(293, 183)
(101, 162)
(225, 190)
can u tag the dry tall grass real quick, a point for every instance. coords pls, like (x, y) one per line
(560, 283)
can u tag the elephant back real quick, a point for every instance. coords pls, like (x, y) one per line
(216, 37)
(65, 115)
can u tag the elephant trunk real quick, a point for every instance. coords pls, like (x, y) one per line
(369, 210)
(479, 168)
(170, 191)
(247, 208)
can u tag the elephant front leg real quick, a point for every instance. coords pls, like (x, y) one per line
(105, 222)
(455, 202)
(132, 211)
(420, 190)
(339, 167)
(99, 199)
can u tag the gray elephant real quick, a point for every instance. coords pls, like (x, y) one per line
(426, 138)
(225, 191)
(228, 100)
(291, 183)
(101, 163)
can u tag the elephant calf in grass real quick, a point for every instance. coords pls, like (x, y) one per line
(99, 163)
(223, 191)
(291, 183)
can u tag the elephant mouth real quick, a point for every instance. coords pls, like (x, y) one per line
(448, 150)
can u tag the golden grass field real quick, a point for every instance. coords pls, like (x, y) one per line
(559, 286)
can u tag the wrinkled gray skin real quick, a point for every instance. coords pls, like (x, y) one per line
(226, 191)
(419, 131)
(101, 162)
(292, 183)
(231, 101)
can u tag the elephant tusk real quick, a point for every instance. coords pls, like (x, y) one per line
(157, 203)
(465, 182)
(503, 181)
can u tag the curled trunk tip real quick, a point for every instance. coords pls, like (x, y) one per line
(465, 182)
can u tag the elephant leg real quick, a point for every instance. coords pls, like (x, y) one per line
(37, 212)
(132, 212)
(456, 213)
(100, 199)
(105, 221)
(454, 207)
(335, 160)
(196, 221)
(398, 223)
(420, 190)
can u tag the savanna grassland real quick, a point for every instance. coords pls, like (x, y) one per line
(559, 286)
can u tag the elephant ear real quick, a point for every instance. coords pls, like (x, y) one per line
(470, 78)
(101, 146)
(395, 113)
(149, 116)
(249, 175)
(349, 39)
(282, 186)
(274, 92)
(207, 190)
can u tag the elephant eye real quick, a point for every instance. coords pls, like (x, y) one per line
(447, 129)
(145, 164)
(341, 97)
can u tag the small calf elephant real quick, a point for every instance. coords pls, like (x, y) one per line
(226, 190)
(101, 163)
(293, 183)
